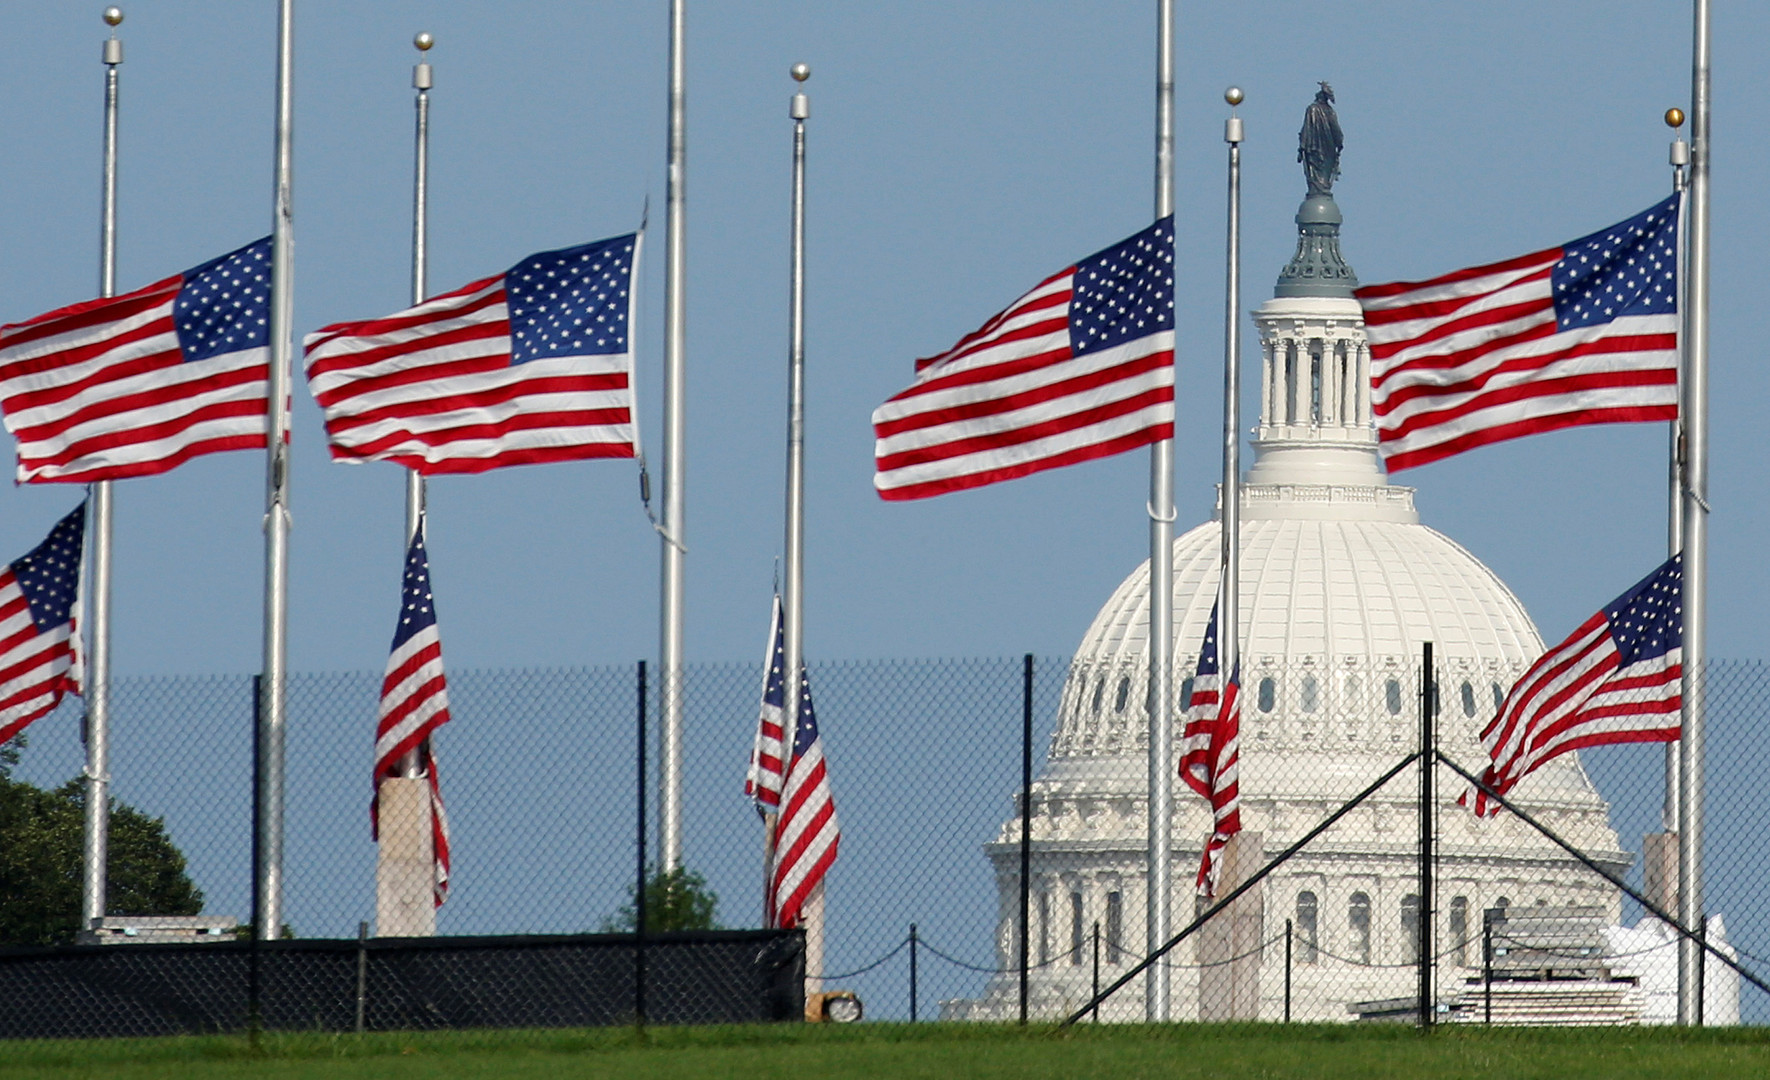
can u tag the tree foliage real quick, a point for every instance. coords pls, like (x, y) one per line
(40, 846)
(674, 900)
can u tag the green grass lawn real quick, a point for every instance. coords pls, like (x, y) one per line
(939, 1052)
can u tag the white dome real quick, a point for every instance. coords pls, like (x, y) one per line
(1331, 591)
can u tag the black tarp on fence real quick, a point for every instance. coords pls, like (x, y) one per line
(579, 980)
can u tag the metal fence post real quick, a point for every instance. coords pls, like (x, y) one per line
(639, 862)
(1487, 966)
(1096, 993)
(913, 972)
(1428, 760)
(1287, 971)
(362, 975)
(254, 1015)
(1026, 714)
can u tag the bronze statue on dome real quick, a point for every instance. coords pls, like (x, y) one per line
(1319, 143)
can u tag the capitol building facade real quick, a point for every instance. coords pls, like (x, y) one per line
(1341, 585)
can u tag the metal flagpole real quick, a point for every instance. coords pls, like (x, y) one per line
(421, 80)
(670, 525)
(1694, 408)
(96, 847)
(793, 580)
(1680, 158)
(1159, 899)
(268, 918)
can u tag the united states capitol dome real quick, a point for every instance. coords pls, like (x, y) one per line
(1341, 585)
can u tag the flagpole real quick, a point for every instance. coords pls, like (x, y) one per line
(1680, 158)
(793, 580)
(268, 916)
(1159, 899)
(1229, 627)
(95, 855)
(421, 82)
(1694, 408)
(670, 524)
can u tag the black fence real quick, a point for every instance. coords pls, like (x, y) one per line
(537, 772)
(390, 984)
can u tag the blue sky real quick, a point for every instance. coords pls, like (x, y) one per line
(959, 153)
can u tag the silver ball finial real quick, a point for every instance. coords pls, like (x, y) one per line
(113, 15)
(801, 72)
(1233, 95)
(423, 41)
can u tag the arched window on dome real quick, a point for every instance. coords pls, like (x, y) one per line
(1392, 696)
(1308, 926)
(1468, 699)
(1499, 698)
(1099, 694)
(1186, 693)
(1311, 694)
(1358, 926)
(1410, 927)
(1124, 694)
(1268, 695)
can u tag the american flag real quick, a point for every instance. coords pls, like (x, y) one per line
(1617, 679)
(1079, 368)
(807, 834)
(40, 626)
(137, 384)
(1210, 752)
(1584, 333)
(534, 365)
(762, 783)
(415, 700)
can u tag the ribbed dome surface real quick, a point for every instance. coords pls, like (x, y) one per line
(1327, 591)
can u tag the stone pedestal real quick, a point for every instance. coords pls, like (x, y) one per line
(1229, 988)
(405, 904)
(1659, 867)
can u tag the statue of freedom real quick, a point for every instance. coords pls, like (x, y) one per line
(1319, 143)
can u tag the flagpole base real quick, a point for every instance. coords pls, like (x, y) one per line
(405, 904)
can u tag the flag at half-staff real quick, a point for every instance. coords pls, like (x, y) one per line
(1210, 753)
(807, 834)
(1079, 368)
(533, 365)
(1583, 333)
(135, 385)
(762, 781)
(40, 657)
(415, 702)
(1617, 679)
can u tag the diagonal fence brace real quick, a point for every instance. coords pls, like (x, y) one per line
(1652, 908)
(1235, 894)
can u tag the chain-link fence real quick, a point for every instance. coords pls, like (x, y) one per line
(923, 910)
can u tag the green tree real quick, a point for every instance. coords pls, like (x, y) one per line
(40, 846)
(674, 900)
